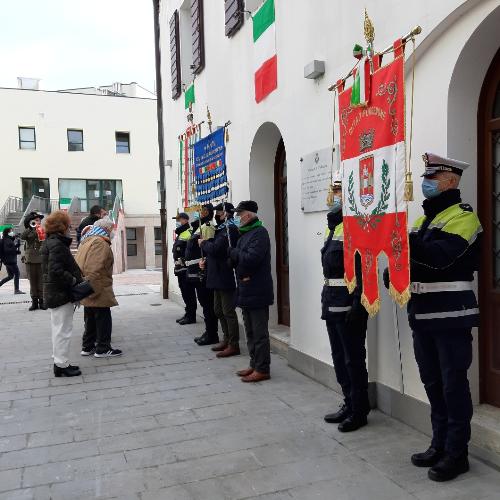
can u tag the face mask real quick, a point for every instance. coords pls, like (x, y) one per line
(196, 215)
(337, 204)
(178, 225)
(237, 220)
(430, 188)
(11, 234)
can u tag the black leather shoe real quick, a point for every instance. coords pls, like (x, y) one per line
(178, 320)
(428, 458)
(69, 371)
(352, 423)
(187, 321)
(449, 468)
(34, 305)
(201, 338)
(208, 341)
(337, 417)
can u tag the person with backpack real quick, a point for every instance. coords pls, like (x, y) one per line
(9, 250)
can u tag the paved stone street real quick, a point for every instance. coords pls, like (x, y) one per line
(169, 421)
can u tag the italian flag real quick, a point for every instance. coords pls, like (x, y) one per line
(265, 58)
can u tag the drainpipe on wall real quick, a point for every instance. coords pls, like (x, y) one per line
(161, 153)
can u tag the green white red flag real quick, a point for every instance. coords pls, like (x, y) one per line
(373, 159)
(265, 57)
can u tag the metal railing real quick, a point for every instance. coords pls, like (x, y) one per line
(13, 204)
(114, 213)
(36, 204)
(75, 206)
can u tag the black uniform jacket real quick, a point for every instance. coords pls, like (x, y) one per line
(220, 275)
(444, 247)
(336, 301)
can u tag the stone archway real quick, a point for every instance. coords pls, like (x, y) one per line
(266, 153)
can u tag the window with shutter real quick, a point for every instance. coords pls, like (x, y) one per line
(234, 16)
(198, 36)
(175, 55)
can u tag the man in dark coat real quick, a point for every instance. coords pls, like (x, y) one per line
(252, 261)
(96, 213)
(9, 250)
(220, 278)
(182, 235)
(33, 259)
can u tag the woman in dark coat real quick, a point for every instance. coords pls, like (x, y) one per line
(9, 250)
(60, 272)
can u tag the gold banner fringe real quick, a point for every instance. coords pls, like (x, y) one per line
(372, 309)
(351, 285)
(400, 298)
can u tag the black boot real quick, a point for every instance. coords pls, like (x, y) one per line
(69, 371)
(449, 468)
(201, 338)
(428, 458)
(339, 416)
(187, 321)
(353, 423)
(41, 305)
(34, 305)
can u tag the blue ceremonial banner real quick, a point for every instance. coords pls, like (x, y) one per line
(210, 168)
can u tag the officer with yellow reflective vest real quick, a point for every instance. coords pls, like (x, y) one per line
(346, 321)
(444, 253)
(188, 292)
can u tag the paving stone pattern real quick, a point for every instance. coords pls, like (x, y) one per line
(170, 421)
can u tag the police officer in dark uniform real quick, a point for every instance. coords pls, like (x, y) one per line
(444, 253)
(188, 292)
(346, 321)
(202, 228)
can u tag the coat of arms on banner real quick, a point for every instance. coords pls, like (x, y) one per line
(373, 156)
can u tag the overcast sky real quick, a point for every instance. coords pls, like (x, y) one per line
(77, 43)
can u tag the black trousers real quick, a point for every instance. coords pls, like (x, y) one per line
(443, 358)
(98, 326)
(349, 360)
(188, 293)
(12, 273)
(224, 308)
(35, 277)
(257, 332)
(206, 300)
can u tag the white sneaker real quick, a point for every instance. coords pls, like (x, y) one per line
(112, 353)
(87, 353)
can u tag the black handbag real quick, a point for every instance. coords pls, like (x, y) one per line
(81, 291)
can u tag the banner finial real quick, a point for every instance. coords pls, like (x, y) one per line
(369, 30)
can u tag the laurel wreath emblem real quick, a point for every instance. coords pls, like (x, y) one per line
(371, 221)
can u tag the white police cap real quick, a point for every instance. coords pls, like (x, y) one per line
(435, 163)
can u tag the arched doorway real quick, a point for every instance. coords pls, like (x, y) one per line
(489, 213)
(268, 187)
(281, 214)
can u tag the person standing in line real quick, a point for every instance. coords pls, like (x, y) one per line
(202, 228)
(32, 257)
(252, 262)
(60, 272)
(96, 260)
(9, 250)
(346, 321)
(443, 309)
(182, 235)
(220, 278)
(96, 213)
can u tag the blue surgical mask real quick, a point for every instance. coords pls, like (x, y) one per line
(237, 220)
(196, 215)
(430, 188)
(337, 204)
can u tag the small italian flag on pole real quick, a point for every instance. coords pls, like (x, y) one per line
(265, 58)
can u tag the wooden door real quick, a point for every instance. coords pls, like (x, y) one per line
(489, 213)
(281, 211)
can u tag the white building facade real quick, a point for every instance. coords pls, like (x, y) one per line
(94, 145)
(456, 113)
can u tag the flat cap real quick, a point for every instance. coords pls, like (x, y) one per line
(435, 163)
(248, 205)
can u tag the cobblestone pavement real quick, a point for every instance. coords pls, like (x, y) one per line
(169, 421)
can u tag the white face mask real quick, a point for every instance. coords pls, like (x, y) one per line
(11, 234)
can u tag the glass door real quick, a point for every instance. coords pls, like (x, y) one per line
(34, 187)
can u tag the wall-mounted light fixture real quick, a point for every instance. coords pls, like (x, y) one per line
(314, 69)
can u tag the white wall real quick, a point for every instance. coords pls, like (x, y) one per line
(302, 110)
(52, 113)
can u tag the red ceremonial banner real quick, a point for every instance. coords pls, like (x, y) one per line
(374, 162)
